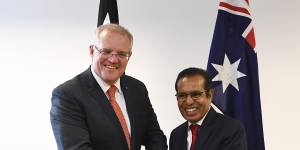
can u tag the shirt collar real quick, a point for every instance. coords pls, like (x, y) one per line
(104, 86)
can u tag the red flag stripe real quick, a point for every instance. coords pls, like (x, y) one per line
(250, 38)
(234, 8)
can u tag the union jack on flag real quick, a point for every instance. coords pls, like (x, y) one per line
(233, 66)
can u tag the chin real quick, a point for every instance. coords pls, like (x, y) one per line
(193, 119)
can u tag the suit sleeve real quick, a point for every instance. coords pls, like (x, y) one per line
(237, 140)
(155, 138)
(68, 122)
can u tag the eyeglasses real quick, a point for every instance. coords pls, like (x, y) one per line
(182, 96)
(109, 53)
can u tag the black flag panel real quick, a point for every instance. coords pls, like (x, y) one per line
(109, 7)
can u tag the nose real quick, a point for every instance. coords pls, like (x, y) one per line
(189, 100)
(113, 58)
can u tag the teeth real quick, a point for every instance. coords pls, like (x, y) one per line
(190, 109)
(110, 67)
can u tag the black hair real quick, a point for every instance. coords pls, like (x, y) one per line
(193, 71)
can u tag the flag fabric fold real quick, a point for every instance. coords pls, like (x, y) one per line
(233, 66)
(108, 8)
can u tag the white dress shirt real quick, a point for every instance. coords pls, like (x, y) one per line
(189, 137)
(119, 96)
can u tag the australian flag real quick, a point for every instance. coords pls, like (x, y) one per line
(232, 64)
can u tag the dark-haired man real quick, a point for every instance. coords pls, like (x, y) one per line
(205, 129)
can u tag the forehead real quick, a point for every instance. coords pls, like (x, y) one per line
(107, 34)
(195, 82)
(114, 41)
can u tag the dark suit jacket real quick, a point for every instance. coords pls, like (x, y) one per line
(82, 117)
(217, 132)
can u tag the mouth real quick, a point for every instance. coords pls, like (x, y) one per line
(191, 110)
(111, 67)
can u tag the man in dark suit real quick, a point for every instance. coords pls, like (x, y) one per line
(205, 129)
(102, 108)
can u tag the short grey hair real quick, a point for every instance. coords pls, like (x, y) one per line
(113, 28)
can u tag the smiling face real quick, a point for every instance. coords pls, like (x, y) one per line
(193, 110)
(110, 67)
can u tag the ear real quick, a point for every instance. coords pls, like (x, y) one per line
(91, 49)
(130, 55)
(210, 93)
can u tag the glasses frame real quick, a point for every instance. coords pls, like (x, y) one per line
(195, 95)
(109, 53)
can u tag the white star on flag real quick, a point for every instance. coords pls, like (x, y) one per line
(228, 73)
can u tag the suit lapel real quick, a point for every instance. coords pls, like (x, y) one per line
(129, 97)
(99, 96)
(205, 129)
(181, 144)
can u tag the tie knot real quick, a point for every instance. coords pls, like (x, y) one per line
(111, 92)
(194, 128)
